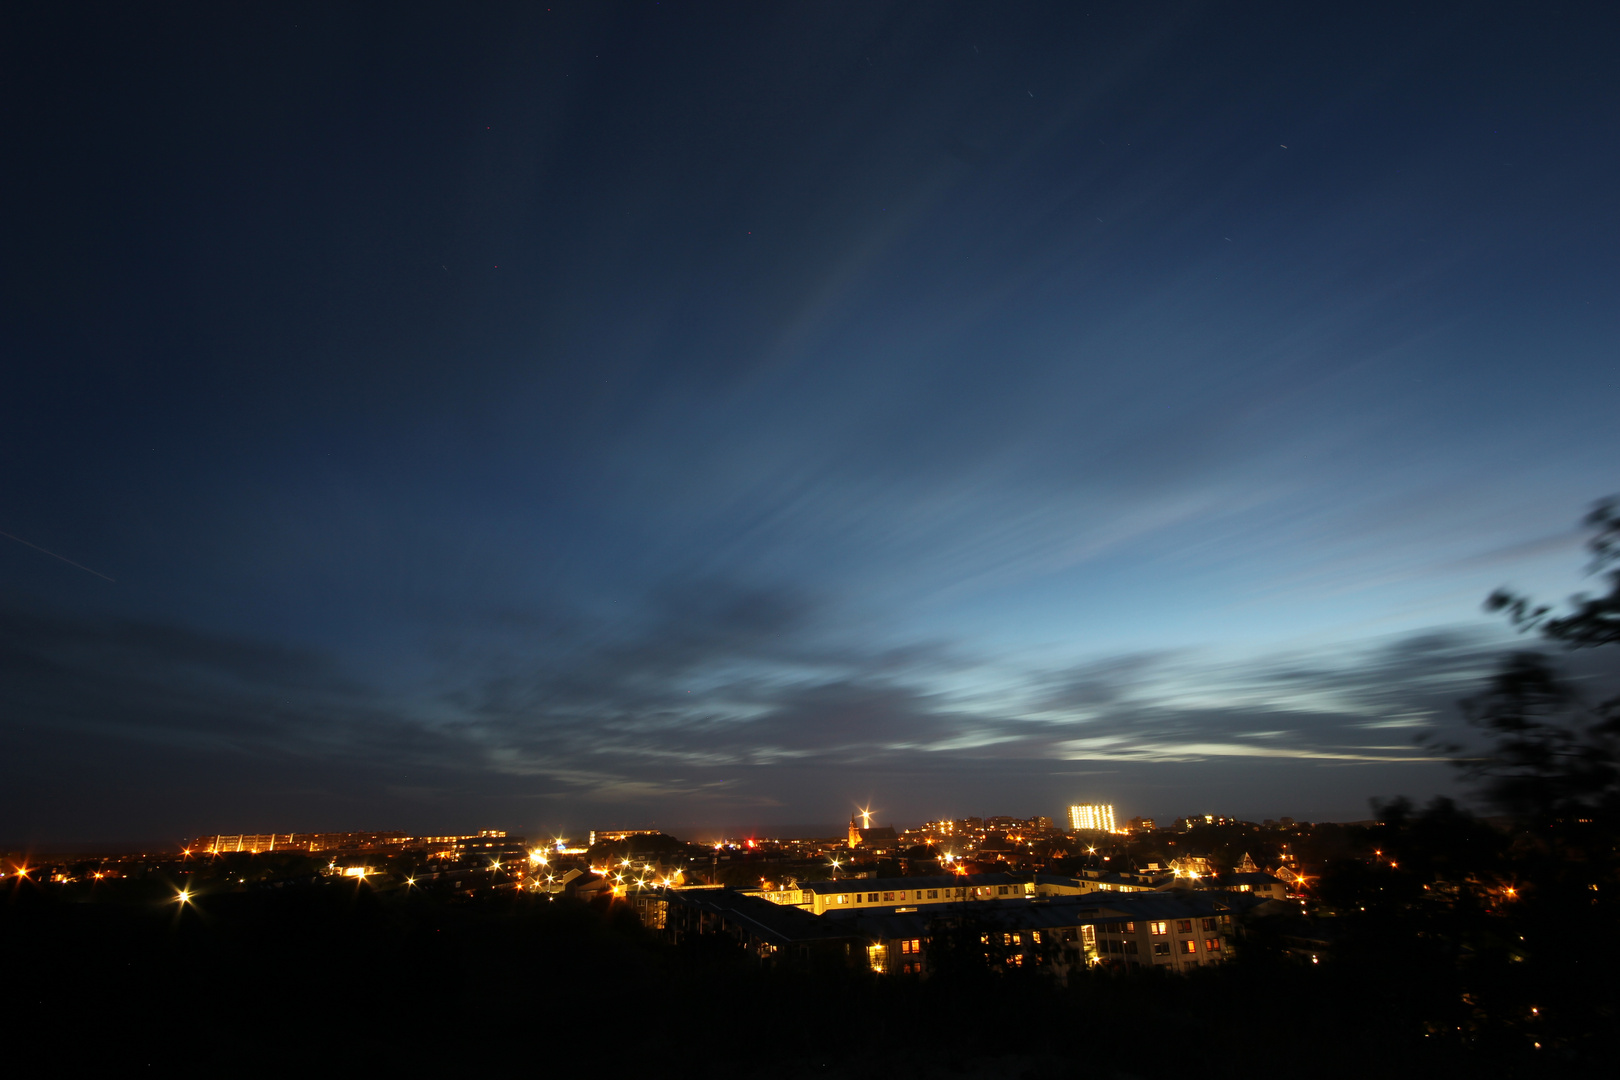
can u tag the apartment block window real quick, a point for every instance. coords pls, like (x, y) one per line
(887, 897)
(1189, 946)
(1161, 948)
(1183, 926)
(1035, 936)
(1130, 928)
(871, 898)
(1209, 925)
(933, 894)
(911, 945)
(1212, 944)
(1159, 928)
(1001, 890)
(1130, 948)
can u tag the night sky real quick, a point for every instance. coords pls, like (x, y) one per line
(719, 416)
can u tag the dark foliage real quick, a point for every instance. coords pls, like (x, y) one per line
(1595, 620)
(1505, 930)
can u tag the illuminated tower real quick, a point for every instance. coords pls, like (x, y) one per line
(855, 830)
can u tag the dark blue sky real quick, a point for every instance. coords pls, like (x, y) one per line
(717, 416)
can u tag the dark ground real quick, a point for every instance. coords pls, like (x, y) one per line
(331, 977)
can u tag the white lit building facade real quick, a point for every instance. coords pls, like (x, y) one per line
(1093, 817)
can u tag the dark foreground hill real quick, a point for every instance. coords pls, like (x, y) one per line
(334, 977)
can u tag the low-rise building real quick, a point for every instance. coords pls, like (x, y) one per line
(1092, 881)
(1266, 886)
(846, 894)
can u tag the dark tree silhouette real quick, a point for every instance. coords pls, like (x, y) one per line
(1595, 620)
(1554, 758)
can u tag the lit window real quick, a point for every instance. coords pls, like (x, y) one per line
(1212, 944)
(1189, 946)
(887, 897)
(1159, 928)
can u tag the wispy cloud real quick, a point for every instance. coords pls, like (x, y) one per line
(708, 694)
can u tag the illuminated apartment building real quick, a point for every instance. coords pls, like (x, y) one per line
(1094, 817)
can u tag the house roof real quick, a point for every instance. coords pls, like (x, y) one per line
(937, 881)
(1058, 912)
(1258, 878)
(788, 925)
(781, 924)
